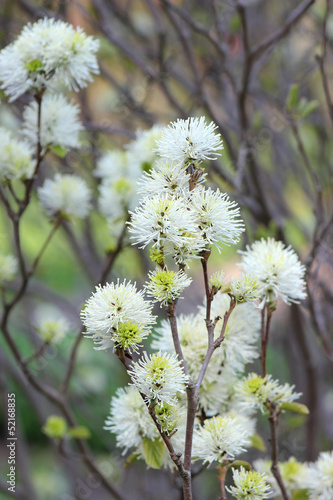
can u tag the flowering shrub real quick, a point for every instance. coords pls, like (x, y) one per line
(191, 399)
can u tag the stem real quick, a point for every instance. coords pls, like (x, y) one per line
(266, 317)
(214, 345)
(175, 337)
(274, 421)
(222, 471)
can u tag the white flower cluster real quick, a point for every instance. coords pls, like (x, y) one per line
(249, 485)
(159, 377)
(277, 269)
(257, 392)
(190, 140)
(165, 286)
(130, 421)
(294, 474)
(117, 315)
(60, 124)
(45, 54)
(220, 438)
(65, 195)
(51, 325)
(174, 218)
(117, 191)
(8, 268)
(16, 158)
(119, 172)
(319, 477)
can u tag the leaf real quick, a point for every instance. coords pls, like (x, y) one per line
(131, 459)
(300, 494)
(296, 408)
(58, 151)
(79, 432)
(292, 97)
(34, 65)
(153, 451)
(240, 463)
(257, 442)
(55, 427)
(310, 108)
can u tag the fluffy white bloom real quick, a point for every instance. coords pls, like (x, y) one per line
(60, 123)
(8, 268)
(129, 419)
(294, 474)
(277, 268)
(249, 485)
(240, 345)
(161, 219)
(217, 217)
(159, 377)
(190, 140)
(115, 165)
(117, 313)
(111, 163)
(67, 195)
(51, 325)
(116, 198)
(46, 53)
(255, 391)
(166, 286)
(118, 187)
(217, 281)
(141, 150)
(170, 178)
(221, 438)
(16, 157)
(244, 289)
(319, 477)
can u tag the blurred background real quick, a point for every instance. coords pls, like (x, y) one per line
(262, 71)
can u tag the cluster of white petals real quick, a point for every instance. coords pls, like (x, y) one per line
(117, 314)
(117, 191)
(190, 140)
(277, 269)
(46, 53)
(16, 157)
(244, 289)
(249, 485)
(319, 477)
(220, 438)
(165, 286)
(169, 178)
(60, 123)
(258, 392)
(141, 149)
(65, 195)
(159, 376)
(51, 325)
(8, 268)
(217, 218)
(294, 474)
(163, 220)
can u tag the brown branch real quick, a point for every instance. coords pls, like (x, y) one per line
(265, 326)
(291, 20)
(321, 59)
(274, 422)
(171, 312)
